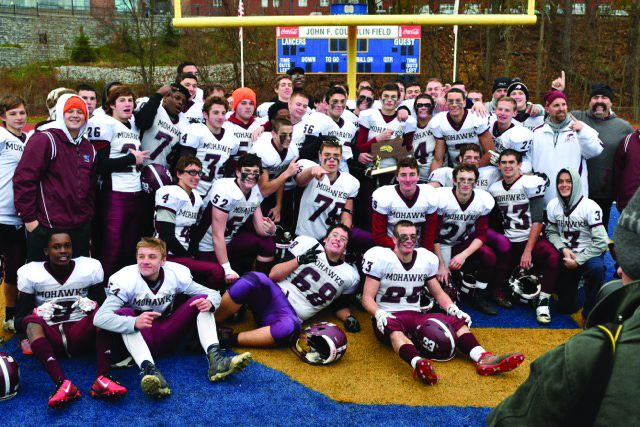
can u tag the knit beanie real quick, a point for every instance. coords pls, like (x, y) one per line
(627, 237)
(552, 95)
(75, 102)
(601, 89)
(241, 94)
(501, 83)
(518, 86)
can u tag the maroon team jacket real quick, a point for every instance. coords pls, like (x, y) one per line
(55, 181)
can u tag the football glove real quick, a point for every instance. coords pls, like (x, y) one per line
(381, 319)
(351, 324)
(495, 157)
(86, 305)
(310, 256)
(453, 310)
(47, 309)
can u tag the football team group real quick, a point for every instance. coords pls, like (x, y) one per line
(136, 224)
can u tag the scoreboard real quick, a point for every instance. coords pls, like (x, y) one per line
(381, 49)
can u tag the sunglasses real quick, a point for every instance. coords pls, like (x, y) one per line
(194, 172)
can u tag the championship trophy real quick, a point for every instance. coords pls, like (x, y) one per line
(390, 149)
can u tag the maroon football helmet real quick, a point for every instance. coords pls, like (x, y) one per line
(321, 344)
(9, 376)
(154, 176)
(436, 340)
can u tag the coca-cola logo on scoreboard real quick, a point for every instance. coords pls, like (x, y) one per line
(413, 32)
(289, 32)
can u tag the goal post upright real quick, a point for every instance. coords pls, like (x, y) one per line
(352, 22)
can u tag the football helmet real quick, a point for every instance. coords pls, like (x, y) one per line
(453, 287)
(9, 376)
(435, 340)
(524, 285)
(321, 344)
(154, 176)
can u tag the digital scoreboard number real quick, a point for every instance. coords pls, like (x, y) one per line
(381, 49)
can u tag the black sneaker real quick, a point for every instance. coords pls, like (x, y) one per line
(481, 305)
(221, 367)
(153, 382)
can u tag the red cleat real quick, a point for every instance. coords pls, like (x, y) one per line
(65, 393)
(105, 387)
(424, 371)
(490, 364)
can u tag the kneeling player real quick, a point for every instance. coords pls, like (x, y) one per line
(294, 291)
(140, 306)
(63, 295)
(395, 278)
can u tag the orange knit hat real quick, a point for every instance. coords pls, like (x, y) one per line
(75, 102)
(242, 94)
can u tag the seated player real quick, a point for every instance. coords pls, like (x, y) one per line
(520, 200)
(463, 222)
(295, 290)
(177, 211)
(574, 227)
(395, 279)
(470, 154)
(58, 301)
(211, 143)
(406, 200)
(328, 197)
(507, 133)
(224, 234)
(141, 305)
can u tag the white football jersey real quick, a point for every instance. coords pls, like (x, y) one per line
(273, 161)
(318, 124)
(513, 201)
(94, 125)
(162, 136)
(242, 132)
(389, 201)
(213, 151)
(122, 138)
(373, 120)
(517, 137)
(35, 279)
(455, 136)
(227, 196)
(459, 221)
(129, 286)
(532, 122)
(186, 208)
(312, 287)
(350, 117)
(575, 229)
(487, 176)
(424, 145)
(11, 149)
(322, 202)
(194, 114)
(263, 109)
(400, 284)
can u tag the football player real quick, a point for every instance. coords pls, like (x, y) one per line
(58, 301)
(295, 290)
(507, 134)
(221, 235)
(119, 161)
(90, 96)
(283, 87)
(278, 156)
(161, 122)
(463, 222)
(470, 154)
(424, 143)
(406, 200)
(395, 279)
(190, 67)
(210, 143)
(241, 122)
(412, 90)
(529, 115)
(298, 107)
(192, 109)
(520, 200)
(141, 305)
(177, 211)
(13, 244)
(456, 127)
(575, 228)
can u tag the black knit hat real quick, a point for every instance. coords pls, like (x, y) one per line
(501, 83)
(518, 86)
(601, 89)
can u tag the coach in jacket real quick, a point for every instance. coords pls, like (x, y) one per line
(54, 183)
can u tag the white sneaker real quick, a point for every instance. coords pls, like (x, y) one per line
(9, 326)
(543, 314)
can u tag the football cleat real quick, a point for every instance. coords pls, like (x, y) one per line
(502, 301)
(543, 313)
(490, 364)
(107, 387)
(9, 326)
(65, 393)
(153, 382)
(424, 371)
(221, 367)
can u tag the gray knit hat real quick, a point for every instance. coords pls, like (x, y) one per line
(627, 237)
